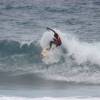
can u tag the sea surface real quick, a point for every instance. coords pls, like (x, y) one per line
(71, 71)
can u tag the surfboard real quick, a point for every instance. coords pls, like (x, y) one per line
(45, 51)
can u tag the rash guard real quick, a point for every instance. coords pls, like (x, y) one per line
(57, 40)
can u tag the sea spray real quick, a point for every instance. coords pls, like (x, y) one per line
(81, 52)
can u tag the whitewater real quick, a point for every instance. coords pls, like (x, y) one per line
(81, 52)
(47, 98)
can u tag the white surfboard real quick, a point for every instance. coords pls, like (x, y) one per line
(45, 51)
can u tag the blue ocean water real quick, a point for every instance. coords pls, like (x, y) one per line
(71, 72)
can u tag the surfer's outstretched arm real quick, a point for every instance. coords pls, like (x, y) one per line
(51, 30)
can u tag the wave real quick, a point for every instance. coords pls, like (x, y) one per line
(9, 47)
(16, 56)
(48, 98)
(10, 7)
(75, 61)
(79, 51)
(55, 9)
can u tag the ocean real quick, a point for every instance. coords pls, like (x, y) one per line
(71, 71)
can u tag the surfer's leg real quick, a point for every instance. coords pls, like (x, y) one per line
(51, 42)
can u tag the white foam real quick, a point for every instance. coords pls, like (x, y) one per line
(53, 56)
(49, 98)
(81, 52)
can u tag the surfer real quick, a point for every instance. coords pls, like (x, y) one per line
(56, 40)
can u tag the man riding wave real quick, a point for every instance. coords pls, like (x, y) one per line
(56, 40)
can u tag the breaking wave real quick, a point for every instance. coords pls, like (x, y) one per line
(78, 61)
(81, 52)
(75, 61)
